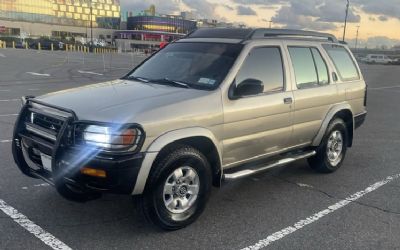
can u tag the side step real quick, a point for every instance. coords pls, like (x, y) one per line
(247, 172)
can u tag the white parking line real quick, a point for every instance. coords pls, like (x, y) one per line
(37, 74)
(89, 72)
(9, 100)
(5, 141)
(8, 115)
(315, 217)
(385, 87)
(31, 227)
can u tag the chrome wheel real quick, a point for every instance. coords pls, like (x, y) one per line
(334, 148)
(181, 189)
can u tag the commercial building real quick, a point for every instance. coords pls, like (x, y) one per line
(148, 29)
(59, 18)
(167, 23)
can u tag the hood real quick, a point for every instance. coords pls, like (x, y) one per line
(117, 100)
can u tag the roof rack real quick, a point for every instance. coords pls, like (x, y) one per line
(264, 33)
(248, 34)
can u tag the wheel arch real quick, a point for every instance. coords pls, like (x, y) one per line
(200, 138)
(342, 111)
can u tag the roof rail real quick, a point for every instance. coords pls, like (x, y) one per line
(263, 33)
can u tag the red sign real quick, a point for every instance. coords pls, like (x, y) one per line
(2, 29)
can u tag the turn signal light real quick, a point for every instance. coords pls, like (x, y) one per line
(93, 172)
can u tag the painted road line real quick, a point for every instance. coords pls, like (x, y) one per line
(2, 55)
(37, 74)
(31, 227)
(89, 72)
(5, 141)
(33, 89)
(5, 90)
(10, 100)
(315, 217)
(385, 87)
(5, 115)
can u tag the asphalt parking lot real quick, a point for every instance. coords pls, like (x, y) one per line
(357, 207)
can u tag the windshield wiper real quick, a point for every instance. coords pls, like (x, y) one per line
(170, 82)
(136, 78)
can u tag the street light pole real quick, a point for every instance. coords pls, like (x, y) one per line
(91, 23)
(355, 47)
(270, 24)
(345, 20)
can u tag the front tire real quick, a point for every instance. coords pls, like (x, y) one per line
(332, 150)
(178, 188)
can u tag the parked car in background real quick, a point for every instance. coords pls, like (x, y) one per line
(19, 45)
(396, 61)
(45, 44)
(377, 59)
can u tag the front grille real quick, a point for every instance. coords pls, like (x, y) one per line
(44, 125)
(47, 122)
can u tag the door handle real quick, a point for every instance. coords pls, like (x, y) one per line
(288, 100)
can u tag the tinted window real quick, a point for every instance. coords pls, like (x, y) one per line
(264, 64)
(200, 65)
(322, 70)
(304, 67)
(343, 62)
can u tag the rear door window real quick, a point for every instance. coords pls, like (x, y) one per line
(344, 63)
(309, 67)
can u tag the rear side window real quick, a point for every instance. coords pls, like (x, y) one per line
(309, 67)
(264, 64)
(344, 63)
(322, 70)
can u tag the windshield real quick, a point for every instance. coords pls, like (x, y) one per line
(197, 65)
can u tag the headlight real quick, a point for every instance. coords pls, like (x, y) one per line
(109, 138)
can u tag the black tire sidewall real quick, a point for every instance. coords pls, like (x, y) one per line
(321, 162)
(158, 213)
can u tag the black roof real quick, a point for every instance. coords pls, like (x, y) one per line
(230, 33)
(246, 34)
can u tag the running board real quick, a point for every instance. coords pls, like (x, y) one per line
(281, 162)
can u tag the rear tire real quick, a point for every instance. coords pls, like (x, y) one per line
(332, 150)
(178, 188)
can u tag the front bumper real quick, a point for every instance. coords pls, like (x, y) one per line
(67, 160)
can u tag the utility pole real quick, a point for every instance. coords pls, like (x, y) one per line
(355, 47)
(91, 23)
(345, 20)
(270, 24)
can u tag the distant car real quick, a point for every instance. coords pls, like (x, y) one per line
(377, 59)
(396, 61)
(46, 44)
(19, 45)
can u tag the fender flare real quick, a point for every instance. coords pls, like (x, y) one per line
(331, 113)
(163, 140)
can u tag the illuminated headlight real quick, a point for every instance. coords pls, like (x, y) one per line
(111, 138)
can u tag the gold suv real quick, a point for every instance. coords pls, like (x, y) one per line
(219, 104)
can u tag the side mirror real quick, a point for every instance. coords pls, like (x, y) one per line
(248, 87)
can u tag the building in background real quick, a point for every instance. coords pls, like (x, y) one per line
(60, 18)
(148, 29)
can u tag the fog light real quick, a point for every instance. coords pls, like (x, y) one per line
(93, 172)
